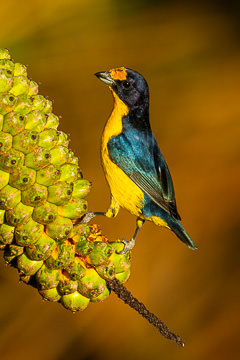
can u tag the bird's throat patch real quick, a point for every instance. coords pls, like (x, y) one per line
(118, 73)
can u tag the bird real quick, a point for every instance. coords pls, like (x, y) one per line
(135, 169)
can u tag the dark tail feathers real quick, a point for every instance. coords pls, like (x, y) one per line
(181, 233)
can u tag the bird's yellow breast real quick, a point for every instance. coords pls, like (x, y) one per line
(125, 192)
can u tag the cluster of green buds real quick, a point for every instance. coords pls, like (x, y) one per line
(42, 201)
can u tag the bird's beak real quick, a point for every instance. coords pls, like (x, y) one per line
(105, 77)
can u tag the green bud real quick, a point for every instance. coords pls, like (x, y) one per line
(39, 102)
(14, 123)
(50, 294)
(28, 266)
(63, 139)
(1, 121)
(45, 214)
(81, 188)
(60, 193)
(76, 269)
(123, 276)
(48, 175)
(6, 234)
(48, 138)
(25, 278)
(20, 69)
(5, 142)
(20, 85)
(74, 209)
(42, 248)
(4, 178)
(35, 195)
(33, 88)
(52, 121)
(66, 285)
(47, 278)
(91, 285)
(72, 159)
(7, 103)
(28, 234)
(61, 257)
(9, 197)
(83, 247)
(6, 80)
(15, 250)
(102, 296)
(36, 121)
(80, 229)
(48, 106)
(11, 161)
(100, 253)
(106, 271)
(23, 104)
(4, 54)
(7, 64)
(121, 262)
(26, 141)
(70, 172)
(22, 178)
(11, 252)
(59, 155)
(60, 229)
(20, 214)
(75, 301)
(38, 159)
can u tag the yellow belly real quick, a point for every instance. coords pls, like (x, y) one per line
(125, 192)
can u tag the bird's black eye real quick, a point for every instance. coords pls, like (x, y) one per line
(126, 84)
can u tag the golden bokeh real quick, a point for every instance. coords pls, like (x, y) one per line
(189, 52)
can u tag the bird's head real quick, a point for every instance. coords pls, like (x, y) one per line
(128, 85)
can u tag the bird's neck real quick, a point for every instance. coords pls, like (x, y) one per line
(114, 124)
(122, 118)
(137, 118)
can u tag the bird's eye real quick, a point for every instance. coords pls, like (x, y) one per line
(126, 84)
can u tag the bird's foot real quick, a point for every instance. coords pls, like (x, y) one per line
(128, 245)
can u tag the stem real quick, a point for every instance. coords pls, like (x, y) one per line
(128, 298)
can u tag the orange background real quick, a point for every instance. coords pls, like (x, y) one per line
(189, 53)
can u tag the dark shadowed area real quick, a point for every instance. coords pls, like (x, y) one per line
(189, 52)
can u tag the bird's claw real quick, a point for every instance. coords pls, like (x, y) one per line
(128, 245)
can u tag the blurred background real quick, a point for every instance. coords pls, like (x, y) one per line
(189, 52)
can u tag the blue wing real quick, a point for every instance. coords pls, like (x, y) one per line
(138, 155)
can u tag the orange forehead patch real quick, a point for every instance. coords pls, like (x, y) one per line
(119, 73)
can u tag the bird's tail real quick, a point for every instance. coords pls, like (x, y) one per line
(181, 233)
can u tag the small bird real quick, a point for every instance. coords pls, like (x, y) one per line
(135, 169)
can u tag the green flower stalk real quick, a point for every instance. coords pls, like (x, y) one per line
(42, 201)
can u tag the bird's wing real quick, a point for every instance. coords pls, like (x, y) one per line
(141, 159)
